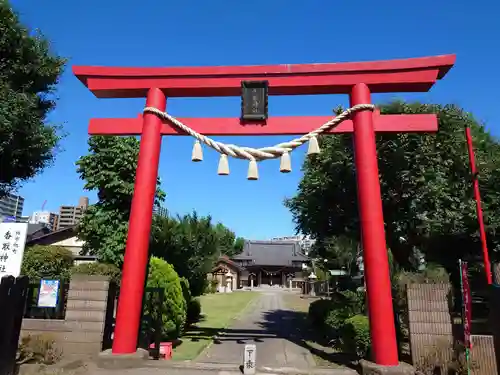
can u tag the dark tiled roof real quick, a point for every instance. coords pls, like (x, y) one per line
(36, 230)
(272, 253)
(66, 232)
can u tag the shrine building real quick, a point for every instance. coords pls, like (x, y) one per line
(267, 263)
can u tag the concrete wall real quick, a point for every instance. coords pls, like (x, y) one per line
(431, 327)
(81, 333)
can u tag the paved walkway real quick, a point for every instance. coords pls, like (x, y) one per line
(269, 325)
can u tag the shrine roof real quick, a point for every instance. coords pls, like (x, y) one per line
(402, 75)
(272, 253)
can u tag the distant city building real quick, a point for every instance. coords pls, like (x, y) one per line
(23, 219)
(11, 207)
(49, 219)
(71, 215)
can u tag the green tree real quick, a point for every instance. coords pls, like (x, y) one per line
(228, 243)
(110, 169)
(190, 244)
(426, 188)
(29, 72)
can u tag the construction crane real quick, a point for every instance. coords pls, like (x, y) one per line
(43, 205)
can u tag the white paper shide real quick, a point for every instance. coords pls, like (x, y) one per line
(12, 242)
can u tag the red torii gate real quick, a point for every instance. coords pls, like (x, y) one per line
(358, 80)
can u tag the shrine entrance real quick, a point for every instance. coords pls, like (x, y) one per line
(254, 84)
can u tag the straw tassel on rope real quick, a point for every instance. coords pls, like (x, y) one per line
(313, 146)
(285, 163)
(223, 169)
(253, 154)
(197, 154)
(253, 171)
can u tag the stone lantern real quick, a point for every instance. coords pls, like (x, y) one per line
(312, 277)
(229, 281)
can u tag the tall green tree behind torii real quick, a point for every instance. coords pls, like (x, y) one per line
(426, 189)
(29, 72)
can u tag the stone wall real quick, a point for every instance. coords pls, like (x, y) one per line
(81, 333)
(431, 330)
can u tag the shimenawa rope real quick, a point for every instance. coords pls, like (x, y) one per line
(257, 154)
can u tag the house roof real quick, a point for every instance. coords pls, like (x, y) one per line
(272, 253)
(225, 259)
(36, 230)
(64, 232)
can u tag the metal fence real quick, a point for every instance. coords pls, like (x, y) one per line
(56, 313)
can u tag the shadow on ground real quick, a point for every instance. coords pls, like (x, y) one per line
(276, 324)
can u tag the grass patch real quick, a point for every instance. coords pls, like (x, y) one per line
(218, 310)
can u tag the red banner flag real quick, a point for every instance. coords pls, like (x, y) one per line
(466, 304)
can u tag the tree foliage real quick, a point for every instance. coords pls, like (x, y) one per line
(49, 262)
(426, 188)
(28, 75)
(191, 244)
(110, 169)
(228, 243)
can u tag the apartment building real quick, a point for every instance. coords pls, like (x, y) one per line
(71, 215)
(11, 207)
(49, 219)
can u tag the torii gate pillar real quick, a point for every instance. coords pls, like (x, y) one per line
(354, 79)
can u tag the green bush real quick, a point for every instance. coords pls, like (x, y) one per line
(47, 262)
(193, 305)
(103, 269)
(193, 311)
(211, 286)
(355, 336)
(329, 315)
(319, 310)
(186, 292)
(173, 311)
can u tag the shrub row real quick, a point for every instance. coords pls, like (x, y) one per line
(343, 321)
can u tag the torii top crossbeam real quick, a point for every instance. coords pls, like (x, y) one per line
(408, 75)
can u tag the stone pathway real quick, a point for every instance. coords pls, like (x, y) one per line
(269, 325)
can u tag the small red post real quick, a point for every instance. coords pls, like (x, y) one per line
(479, 210)
(376, 260)
(136, 251)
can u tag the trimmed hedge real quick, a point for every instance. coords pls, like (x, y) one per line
(163, 275)
(47, 262)
(193, 305)
(95, 268)
(342, 321)
(355, 336)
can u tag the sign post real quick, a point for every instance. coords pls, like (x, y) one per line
(12, 243)
(249, 359)
(466, 310)
(49, 292)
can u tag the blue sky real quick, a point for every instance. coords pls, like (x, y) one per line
(224, 32)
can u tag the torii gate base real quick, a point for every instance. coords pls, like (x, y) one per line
(358, 80)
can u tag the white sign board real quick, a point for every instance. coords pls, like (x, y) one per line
(12, 242)
(49, 291)
(249, 357)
